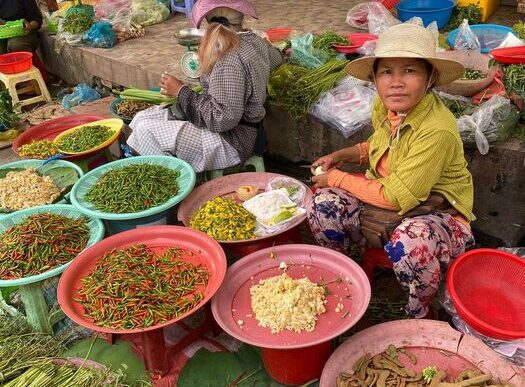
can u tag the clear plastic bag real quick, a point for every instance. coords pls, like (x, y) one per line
(268, 208)
(295, 190)
(116, 12)
(81, 94)
(513, 350)
(357, 17)
(491, 122)
(379, 18)
(347, 107)
(149, 12)
(466, 39)
(100, 35)
(368, 48)
(304, 54)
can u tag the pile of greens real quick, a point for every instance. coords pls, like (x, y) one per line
(8, 117)
(471, 12)
(519, 29)
(298, 88)
(325, 40)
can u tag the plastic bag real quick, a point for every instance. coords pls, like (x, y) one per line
(273, 210)
(101, 35)
(379, 18)
(81, 94)
(116, 12)
(491, 122)
(304, 54)
(149, 12)
(348, 108)
(295, 190)
(466, 39)
(511, 40)
(513, 350)
(368, 48)
(358, 16)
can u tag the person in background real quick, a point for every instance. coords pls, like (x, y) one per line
(11, 10)
(219, 127)
(417, 184)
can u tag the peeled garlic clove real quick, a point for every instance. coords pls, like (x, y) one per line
(318, 171)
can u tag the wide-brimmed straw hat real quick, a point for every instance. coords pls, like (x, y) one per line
(202, 7)
(407, 41)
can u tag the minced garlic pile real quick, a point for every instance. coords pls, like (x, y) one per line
(25, 189)
(282, 302)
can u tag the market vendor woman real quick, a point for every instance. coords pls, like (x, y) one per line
(11, 10)
(417, 170)
(218, 128)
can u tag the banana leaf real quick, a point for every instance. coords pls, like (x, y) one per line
(63, 177)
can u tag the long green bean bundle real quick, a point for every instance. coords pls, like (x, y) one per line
(298, 89)
(133, 188)
(85, 138)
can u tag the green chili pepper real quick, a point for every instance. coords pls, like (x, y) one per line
(85, 138)
(133, 188)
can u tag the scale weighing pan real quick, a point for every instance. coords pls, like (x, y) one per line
(189, 36)
(321, 265)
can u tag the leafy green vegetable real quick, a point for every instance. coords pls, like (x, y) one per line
(471, 75)
(519, 29)
(77, 22)
(429, 373)
(8, 117)
(325, 40)
(472, 12)
(243, 368)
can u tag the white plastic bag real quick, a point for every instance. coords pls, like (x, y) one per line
(368, 48)
(116, 12)
(347, 107)
(481, 122)
(466, 39)
(267, 205)
(379, 18)
(511, 41)
(295, 190)
(358, 16)
(149, 12)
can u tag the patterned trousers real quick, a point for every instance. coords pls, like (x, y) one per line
(421, 248)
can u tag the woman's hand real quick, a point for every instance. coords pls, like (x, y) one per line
(326, 163)
(169, 85)
(321, 180)
(30, 26)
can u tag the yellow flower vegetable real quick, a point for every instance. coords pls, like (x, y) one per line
(224, 220)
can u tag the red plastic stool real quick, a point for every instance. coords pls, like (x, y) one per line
(373, 259)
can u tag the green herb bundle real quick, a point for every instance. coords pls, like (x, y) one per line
(471, 12)
(325, 40)
(519, 29)
(7, 114)
(77, 22)
(133, 188)
(299, 88)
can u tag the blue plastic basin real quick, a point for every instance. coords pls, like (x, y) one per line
(439, 11)
(490, 36)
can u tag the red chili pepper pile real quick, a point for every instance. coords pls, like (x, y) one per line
(40, 243)
(136, 288)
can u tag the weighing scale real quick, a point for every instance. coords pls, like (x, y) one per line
(189, 62)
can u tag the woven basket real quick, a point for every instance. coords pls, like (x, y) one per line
(471, 60)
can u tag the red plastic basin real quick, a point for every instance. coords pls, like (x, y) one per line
(277, 34)
(16, 62)
(487, 288)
